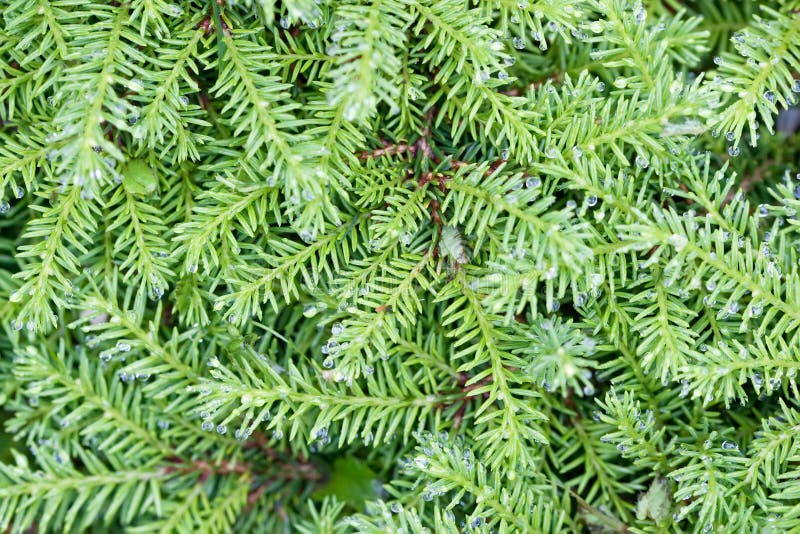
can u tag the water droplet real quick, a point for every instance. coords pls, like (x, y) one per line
(519, 43)
(770, 97)
(123, 346)
(208, 426)
(733, 151)
(285, 23)
(729, 445)
(578, 34)
(595, 279)
(192, 268)
(136, 86)
(481, 77)
(678, 241)
(421, 462)
(504, 154)
(337, 329)
(221, 429)
(717, 60)
(533, 182)
(306, 235)
(328, 363)
(591, 201)
(4, 207)
(641, 162)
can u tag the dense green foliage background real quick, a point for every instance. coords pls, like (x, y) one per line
(399, 266)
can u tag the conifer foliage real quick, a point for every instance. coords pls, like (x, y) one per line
(399, 266)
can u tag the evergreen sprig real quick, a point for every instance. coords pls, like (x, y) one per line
(399, 265)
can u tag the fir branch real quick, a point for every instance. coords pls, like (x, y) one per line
(80, 121)
(762, 81)
(367, 65)
(45, 280)
(513, 284)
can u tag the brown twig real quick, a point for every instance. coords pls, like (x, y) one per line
(206, 25)
(464, 389)
(516, 91)
(421, 146)
(284, 468)
(223, 467)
